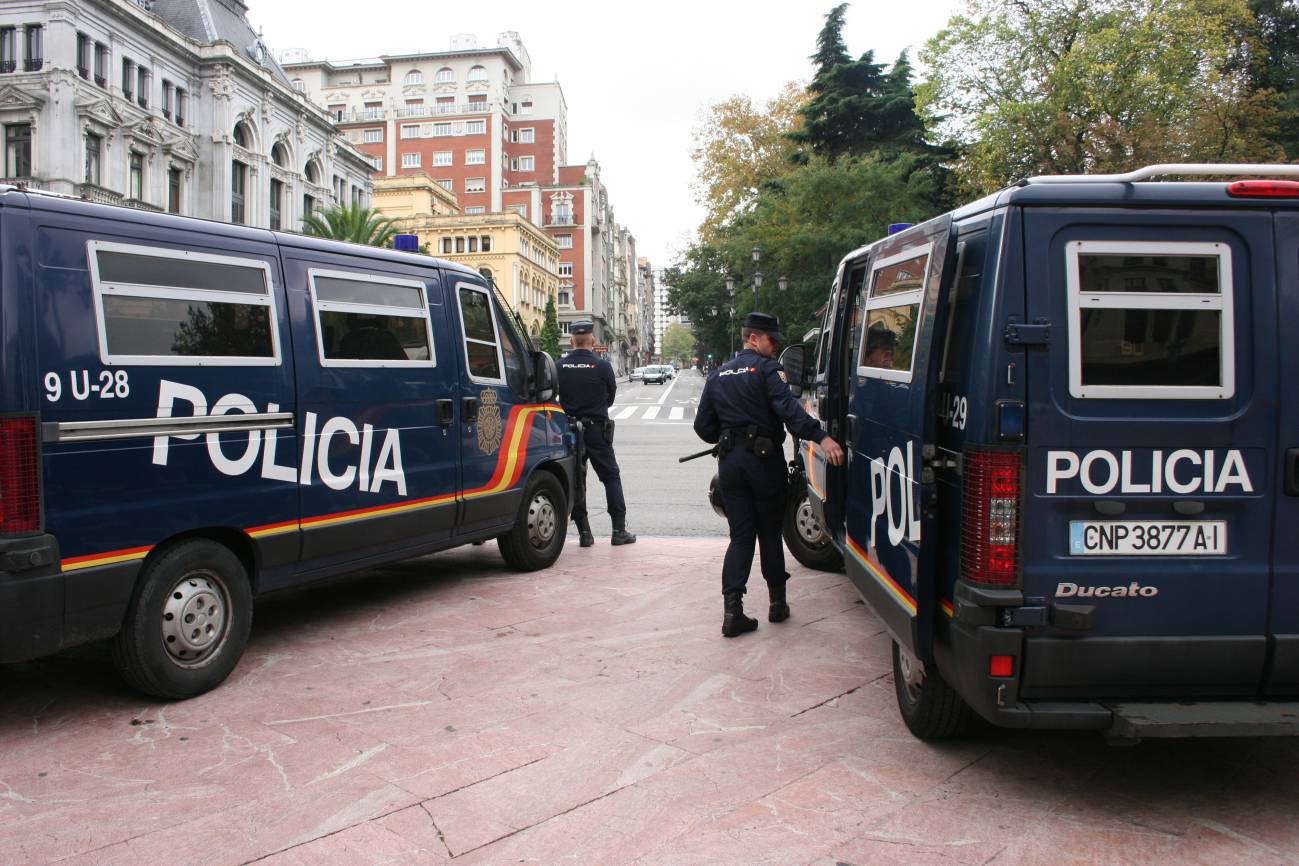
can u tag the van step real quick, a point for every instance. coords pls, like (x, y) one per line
(1205, 719)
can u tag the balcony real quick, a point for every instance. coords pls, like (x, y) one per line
(8, 65)
(444, 109)
(142, 205)
(96, 193)
(561, 219)
(26, 182)
(33, 64)
(365, 115)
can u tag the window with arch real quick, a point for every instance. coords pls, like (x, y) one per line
(445, 75)
(280, 154)
(312, 172)
(243, 137)
(414, 77)
(477, 73)
(299, 85)
(486, 272)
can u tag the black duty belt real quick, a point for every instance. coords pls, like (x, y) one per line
(759, 440)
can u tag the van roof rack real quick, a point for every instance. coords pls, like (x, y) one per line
(1226, 169)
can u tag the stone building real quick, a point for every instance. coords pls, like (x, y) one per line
(174, 105)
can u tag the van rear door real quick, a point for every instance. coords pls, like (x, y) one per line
(1283, 674)
(1151, 433)
(891, 428)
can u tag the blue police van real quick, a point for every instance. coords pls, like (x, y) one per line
(1072, 493)
(194, 413)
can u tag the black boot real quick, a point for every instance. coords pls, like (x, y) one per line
(734, 622)
(584, 536)
(620, 533)
(779, 609)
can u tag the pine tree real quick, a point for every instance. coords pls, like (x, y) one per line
(550, 330)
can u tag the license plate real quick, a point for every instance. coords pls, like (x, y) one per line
(1147, 537)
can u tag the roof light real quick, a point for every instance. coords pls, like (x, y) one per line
(1264, 189)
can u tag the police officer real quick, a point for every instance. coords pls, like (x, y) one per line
(744, 408)
(586, 391)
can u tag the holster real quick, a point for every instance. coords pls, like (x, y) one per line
(608, 431)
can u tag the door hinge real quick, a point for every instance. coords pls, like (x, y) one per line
(1023, 334)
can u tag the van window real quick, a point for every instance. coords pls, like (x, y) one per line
(963, 309)
(162, 306)
(516, 363)
(371, 321)
(482, 349)
(893, 314)
(1150, 320)
(857, 296)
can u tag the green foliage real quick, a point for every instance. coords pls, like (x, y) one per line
(550, 330)
(353, 223)
(1275, 65)
(1071, 86)
(678, 344)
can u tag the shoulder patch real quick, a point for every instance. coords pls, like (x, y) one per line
(781, 374)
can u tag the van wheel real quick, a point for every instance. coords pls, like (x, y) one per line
(810, 544)
(931, 708)
(539, 528)
(188, 621)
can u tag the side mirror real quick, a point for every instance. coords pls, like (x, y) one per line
(792, 360)
(545, 377)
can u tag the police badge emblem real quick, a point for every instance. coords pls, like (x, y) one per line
(489, 421)
(781, 374)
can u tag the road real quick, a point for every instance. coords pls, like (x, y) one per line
(664, 497)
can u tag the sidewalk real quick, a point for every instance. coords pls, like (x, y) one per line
(449, 710)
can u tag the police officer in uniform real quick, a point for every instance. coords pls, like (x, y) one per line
(744, 408)
(586, 391)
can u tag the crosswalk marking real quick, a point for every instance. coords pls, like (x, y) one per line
(677, 413)
(626, 412)
(651, 413)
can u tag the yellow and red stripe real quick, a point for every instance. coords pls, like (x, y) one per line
(510, 463)
(881, 576)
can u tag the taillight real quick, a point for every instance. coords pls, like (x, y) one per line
(1264, 189)
(20, 488)
(990, 518)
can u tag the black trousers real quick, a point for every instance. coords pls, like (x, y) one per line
(753, 490)
(599, 451)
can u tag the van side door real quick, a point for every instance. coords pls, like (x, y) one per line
(376, 414)
(827, 401)
(889, 544)
(1283, 625)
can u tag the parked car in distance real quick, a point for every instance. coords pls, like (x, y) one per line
(656, 374)
(635, 375)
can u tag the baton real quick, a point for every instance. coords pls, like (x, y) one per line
(706, 451)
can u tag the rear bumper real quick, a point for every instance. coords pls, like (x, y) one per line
(32, 598)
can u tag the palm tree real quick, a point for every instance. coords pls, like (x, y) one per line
(354, 223)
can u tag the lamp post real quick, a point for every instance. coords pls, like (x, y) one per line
(755, 278)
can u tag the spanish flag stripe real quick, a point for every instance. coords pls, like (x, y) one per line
(882, 576)
(510, 463)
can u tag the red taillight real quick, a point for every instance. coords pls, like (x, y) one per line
(20, 489)
(1264, 189)
(1001, 666)
(990, 518)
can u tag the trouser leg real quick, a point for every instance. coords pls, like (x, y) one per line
(742, 517)
(606, 469)
(579, 489)
(770, 514)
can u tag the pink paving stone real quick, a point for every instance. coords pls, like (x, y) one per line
(360, 845)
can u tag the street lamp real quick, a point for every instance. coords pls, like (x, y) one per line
(755, 278)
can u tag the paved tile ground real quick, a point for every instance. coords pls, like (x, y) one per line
(448, 710)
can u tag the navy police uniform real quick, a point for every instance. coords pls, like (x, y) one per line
(586, 391)
(745, 407)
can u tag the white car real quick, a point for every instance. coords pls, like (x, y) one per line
(655, 373)
(635, 375)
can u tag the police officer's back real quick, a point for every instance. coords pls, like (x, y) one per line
(744, 408)
(586, 391)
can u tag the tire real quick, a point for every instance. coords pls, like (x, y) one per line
(806, 540)
(537, 537)
(195, 583)
(930, 707)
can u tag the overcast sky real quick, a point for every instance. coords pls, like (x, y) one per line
(637, 77)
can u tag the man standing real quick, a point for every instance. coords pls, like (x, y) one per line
(744, 409)
(586, 391)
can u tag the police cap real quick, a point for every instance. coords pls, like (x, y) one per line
(581, 328)
(764, 322)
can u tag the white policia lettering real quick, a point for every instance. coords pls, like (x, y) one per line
(1132, 590)
(895, 474)
(316, 452)
(1182, 471)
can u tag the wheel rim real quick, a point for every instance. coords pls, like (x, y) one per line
(808, 529)
(195, 618)
(913, 674)
(542, 521)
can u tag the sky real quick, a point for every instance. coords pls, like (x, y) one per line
(637, 77)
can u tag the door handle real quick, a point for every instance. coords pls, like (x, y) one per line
(1292, 472)
(446, 412)
(850, 433)
(469, 409)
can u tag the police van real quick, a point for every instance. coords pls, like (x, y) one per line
(194, 413)
(1072, 492)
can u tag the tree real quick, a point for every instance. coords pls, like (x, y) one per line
(1275, 65)
(550, 330)
(678, 343)
(1070, 86)
(354, 223)
(739, 145)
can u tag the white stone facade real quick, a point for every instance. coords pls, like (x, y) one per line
(138, 103)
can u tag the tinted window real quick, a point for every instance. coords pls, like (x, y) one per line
(904, 276)
(186, 328)
(363, 292)
(1151, 347)
(373, 337)
(180, 273)
(857, 296)
(1119, 273)
(964, 310)
(476, 309)
(890, 337)
(483, 362)
(516, 359)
